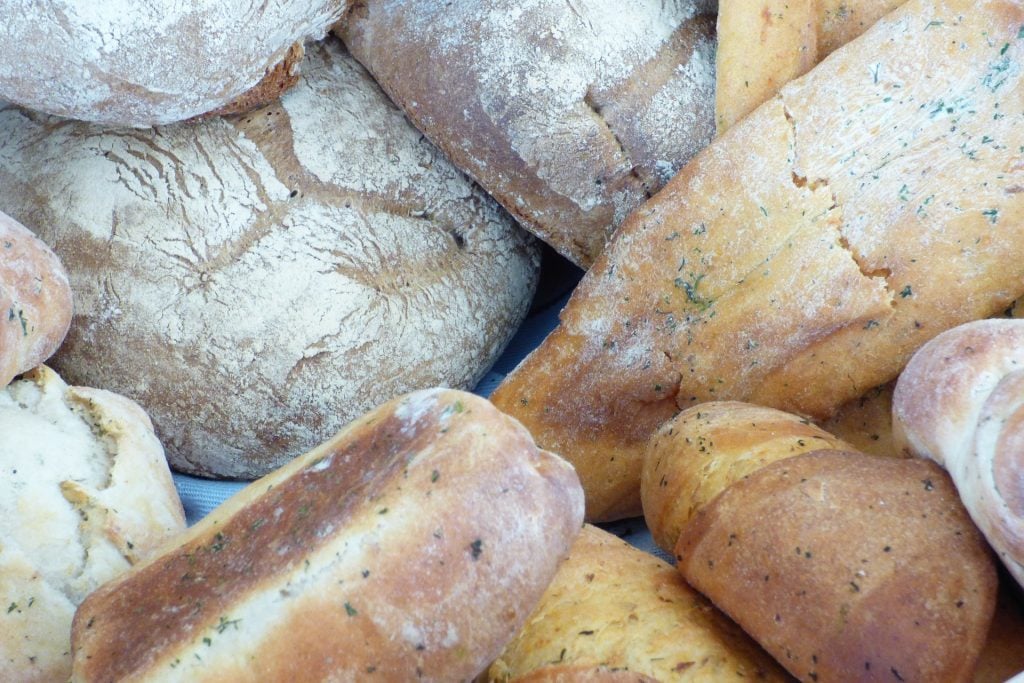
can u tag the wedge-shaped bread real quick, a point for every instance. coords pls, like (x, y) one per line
(800, 259)
(85, 492)
(411, 546)
(614, 607)
(846, 566)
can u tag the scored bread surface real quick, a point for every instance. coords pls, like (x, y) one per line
(258, 281)
(410, 546)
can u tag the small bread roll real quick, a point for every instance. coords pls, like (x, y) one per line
(703, 450)
(84, 493)
(613, 611)
(844, 565)
(570, 114)
(411, 546)
(35, 300)
(256, 282)
(154, 62)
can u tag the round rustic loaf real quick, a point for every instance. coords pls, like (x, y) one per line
(570, 113)
(35, 300)
(151, 62)
(256, 282)
(84, 493)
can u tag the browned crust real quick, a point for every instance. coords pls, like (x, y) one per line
(279, 79)
(839, 562)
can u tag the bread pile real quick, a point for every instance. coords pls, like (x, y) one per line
(284, 250)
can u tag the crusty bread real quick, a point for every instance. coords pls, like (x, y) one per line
(1003, 656)
(866, 422)
(800, 259)
(960, 402)
(702, 451)
(35, 300)
(846, 566)
(569, 113)
(155, 62)
(764, 45)
(257, 282)
(411, 546)
(84, 493)
(613, 606)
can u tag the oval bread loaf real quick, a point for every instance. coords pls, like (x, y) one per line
(153, 62)
(411, 546)
(569, 113)
(35, 300)
(258, 281)
(84, 493)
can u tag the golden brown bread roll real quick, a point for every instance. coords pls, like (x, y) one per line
(700, 452)
(866, 422)
(412, 545)
(612, 609)
(35, 300)
(800, 259)
(848, 567)
(960, 402)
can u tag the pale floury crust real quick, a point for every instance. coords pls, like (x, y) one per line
(35, 300)
(130, 63)
(86, 493)
(256, 282)
(411, 546)
(960, 402)
(570, 114)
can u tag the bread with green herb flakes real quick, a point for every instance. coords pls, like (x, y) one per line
(411, 546)
(258, 281)
(568, 113)
(846, 566)
(35, 300)
(85, 492)
(613, 608)
(801, 258)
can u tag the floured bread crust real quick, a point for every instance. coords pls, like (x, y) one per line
(411, 546)
(85, 494)
(801, 258)
(256, 282)
(142, 63)
(615, 613)
(569, 113)
(35, 300)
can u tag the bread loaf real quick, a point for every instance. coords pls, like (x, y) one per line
(800, 259)
(153, 62)
(569, 113)
(35, 300)
(960, 402)
(258, 281)
(85, 492)
(613, 608)
(702, 451)
(764, 45)
(846, 567)
(411, 546)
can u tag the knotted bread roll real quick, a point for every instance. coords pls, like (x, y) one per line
(960, 402)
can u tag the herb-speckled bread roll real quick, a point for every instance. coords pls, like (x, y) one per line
(35, 300)
(258, 281)
(569, 113)
(411, 546)
(140, 63)
(84, 493)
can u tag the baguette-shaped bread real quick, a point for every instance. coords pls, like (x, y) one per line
(85, 492)
(960, 402)
(411, 546)
(570, 114)
(614, 607)
(703, 450)
(846, 567)
(764, 45)
(35, 300)
(800, 259)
